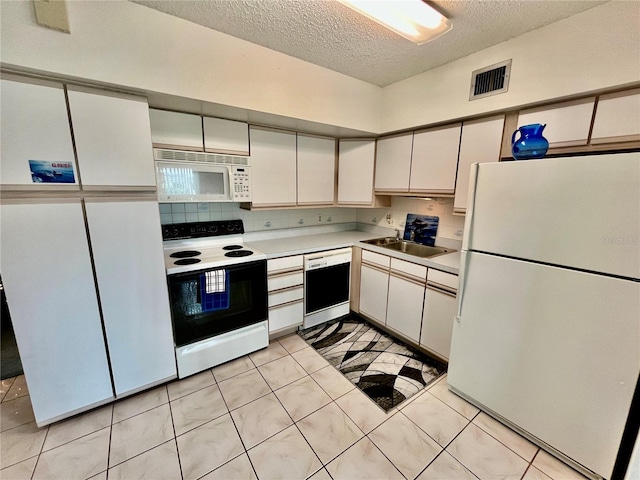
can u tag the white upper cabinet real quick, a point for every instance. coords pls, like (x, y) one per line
(35, 127)
(225, 136)
(181, 131)
(617, 118)
(316, 170)
(113, 139)
(435, 160)
(393, 163)
(567, 124)
(480, 143)
(356, 160)
(273, 167)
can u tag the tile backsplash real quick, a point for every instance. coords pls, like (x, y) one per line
(450, 225)
(255, 221)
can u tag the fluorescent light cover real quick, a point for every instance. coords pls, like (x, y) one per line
(413, 19)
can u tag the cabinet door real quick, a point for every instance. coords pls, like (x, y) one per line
(374, 285)
(567, 124)
(393, 163)
(225, 136)
(480, 143)
(437, 321)
(435, 160)
(182, 131)
(126, 243)
(356, 160)
(404, 309)
(35, 126)
(113, 139)
(316, 170)
(273, 167)
(617, 118)
(48, 279)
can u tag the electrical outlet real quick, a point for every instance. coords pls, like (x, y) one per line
(319, 218)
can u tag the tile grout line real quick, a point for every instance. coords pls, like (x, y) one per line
(110, 436)
(294, 424)
(246, 452)
(175, 438)
(400, 412)
(41, 446)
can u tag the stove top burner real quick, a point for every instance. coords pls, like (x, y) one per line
(187, 261)
(238, 253)
(232, 247)
(185, 254)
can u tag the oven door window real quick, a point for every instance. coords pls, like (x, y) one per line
(208, 303)
(326, 287)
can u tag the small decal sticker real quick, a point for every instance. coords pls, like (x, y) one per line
(51, 172)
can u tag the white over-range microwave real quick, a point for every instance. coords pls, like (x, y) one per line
(201, 177)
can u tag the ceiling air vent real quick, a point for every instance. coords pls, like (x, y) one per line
(490, 80)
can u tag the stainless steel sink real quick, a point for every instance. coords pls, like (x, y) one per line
(411, 248)
(381, 242)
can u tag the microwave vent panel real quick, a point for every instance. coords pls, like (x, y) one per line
(490, 80)
(184, 156)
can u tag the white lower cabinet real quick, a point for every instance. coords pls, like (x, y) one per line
(440, 306)
(126, 238)
(406, 298)
(374, 285)
(409, 299)
(437, 321)
(49, 270)
(285, 283)
(48, 278)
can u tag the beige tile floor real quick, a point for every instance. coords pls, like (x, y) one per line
(282, 412)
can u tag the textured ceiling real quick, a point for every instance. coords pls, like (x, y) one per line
(329, 34)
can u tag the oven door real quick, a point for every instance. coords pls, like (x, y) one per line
(206, 303)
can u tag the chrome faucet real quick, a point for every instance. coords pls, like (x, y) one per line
(397, 234)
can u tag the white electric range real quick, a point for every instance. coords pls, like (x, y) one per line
(218, 293)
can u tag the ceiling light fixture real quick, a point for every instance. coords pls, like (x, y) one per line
(413, 19)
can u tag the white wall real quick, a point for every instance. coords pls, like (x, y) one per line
(596, 49)
(129, 45)
(449, 225)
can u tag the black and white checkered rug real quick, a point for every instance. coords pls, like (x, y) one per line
(385, 369)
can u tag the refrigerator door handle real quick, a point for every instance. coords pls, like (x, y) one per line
(463, 281)
(468, 222)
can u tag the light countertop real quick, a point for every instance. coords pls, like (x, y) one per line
(298, 245)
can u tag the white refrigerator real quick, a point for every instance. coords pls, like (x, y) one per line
(547, 333)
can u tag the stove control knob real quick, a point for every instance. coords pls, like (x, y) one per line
(212, 228)
(171, 232)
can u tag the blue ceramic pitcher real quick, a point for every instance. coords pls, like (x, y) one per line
(530, 144)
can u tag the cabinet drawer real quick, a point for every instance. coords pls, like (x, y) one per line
(285, 263)
(375, 258)
(442, 278)
(411, 269)
(289, 315)
(283, 281)
(285, 296)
